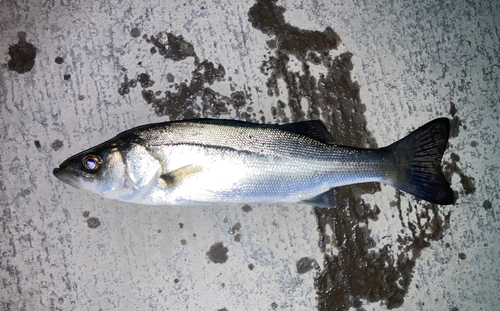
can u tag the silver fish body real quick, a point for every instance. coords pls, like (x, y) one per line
(211, 161)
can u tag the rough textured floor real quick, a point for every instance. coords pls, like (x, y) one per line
(75, 73)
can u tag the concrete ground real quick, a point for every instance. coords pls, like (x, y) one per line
(75, 73)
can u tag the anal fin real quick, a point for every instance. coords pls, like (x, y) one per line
(325, 199)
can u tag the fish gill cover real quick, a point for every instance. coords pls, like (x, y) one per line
(359, 271)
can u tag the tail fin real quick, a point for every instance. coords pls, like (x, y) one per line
(418, 158)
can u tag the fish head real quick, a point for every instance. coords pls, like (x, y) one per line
(100, 170)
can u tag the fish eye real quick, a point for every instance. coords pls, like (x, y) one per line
(92, 163)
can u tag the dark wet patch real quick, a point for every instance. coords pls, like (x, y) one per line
(183, 242)
(181, 102)
(462, 256)
(468, 184)
(274, 305)
(86, 214)
(22, 55)
(37, 144)
(59, 60)
(173, 47)
(235, 228)
(455, 123)
(223, 309)
(237, 238)
(304, 265)
(251, 266)
(487, 205)
(192, 98)
(135, 32)
(67, 77)
(268, 18)
(143, 78)
(246, 208)
(452, 168)
(81, 97)
(473, 144)
(453, 109)
(56, 144)
(176, 281)
(181, 225)
(358, 273)
(93, 222)
(170, 78)
(158, 231)
(218, 253)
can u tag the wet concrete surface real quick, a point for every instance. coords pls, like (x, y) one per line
(372, 72)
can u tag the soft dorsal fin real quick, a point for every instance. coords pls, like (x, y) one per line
(314, 129)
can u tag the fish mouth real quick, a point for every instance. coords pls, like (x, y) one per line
(64, 176)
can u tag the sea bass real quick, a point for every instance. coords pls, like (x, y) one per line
(221, 161)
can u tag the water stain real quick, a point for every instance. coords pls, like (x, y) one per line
(183, 242)
(218, 253)
(487, 205)
(59, 60)
(223, 309)
(462, 256)
(56, 144)
(451, 168)
(237, 237)
(235, 228)
(67, 77)
(358, 273)
(246, 208)
(143, 78)
(304, 265)
(455, 123)
(191, 98)
(22, 55)
(135, 32)
(172, 47)
(251, 266)
(37, 144)
(274, 305)
(93, 222)
(86, 214)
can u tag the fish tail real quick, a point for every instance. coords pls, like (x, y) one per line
(418, 157)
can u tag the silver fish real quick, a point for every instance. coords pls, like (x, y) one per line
(219, 161)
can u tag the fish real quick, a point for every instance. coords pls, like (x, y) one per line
(208, 162)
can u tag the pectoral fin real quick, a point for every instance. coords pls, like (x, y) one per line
(171, 179)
